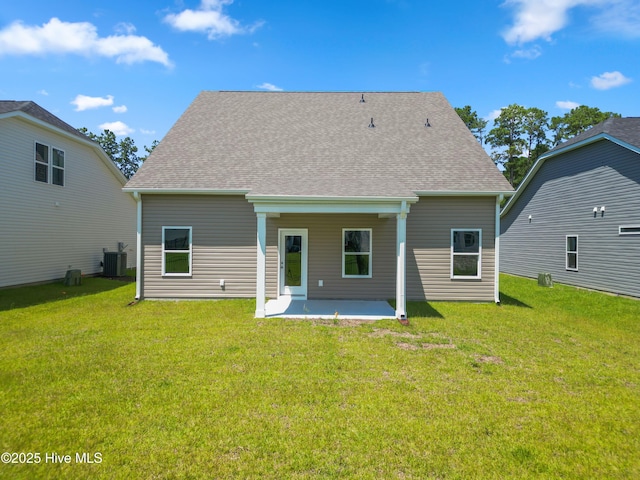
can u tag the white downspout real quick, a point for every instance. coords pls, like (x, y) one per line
(496, 282)
(401, 265)
(138, 199)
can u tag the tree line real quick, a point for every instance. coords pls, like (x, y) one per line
(124, 153)
(520, 135)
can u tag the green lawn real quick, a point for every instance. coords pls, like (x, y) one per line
(545, 386)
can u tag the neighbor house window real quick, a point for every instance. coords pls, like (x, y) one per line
(42, 163)
(176, 251)
(57, 167)
(466, 253)
(356, 253)
(629, 230)
(49, 165)
(572, 252)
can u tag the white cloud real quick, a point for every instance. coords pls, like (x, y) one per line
(43, 92)
(83, 102)
(608, 80)
(493, 115)
(567, 104)
(210, 19)
(539, 19)
(120, 109)
(119, 128)
(147, 132)
(621, 17)
(528, 53)
(270, 87)
(125, 28)
(80, 38)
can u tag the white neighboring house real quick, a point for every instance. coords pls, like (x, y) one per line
(61, 197)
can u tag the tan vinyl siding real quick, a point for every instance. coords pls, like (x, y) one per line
(325, 255)
(429, 227)
(46, 229)
(223, 239)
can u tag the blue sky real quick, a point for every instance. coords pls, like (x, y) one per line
(134, 67)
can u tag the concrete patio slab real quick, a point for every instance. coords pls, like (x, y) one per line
(285, 307)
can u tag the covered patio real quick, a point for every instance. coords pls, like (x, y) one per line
(286, 307)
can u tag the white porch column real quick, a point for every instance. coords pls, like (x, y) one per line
(497, 250)
(261, 265)
(401, 253)
(138, 199)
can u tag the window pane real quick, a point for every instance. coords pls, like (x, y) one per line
(58, 158)
(293, 260)
(42, 172)
(572, 244)
(572, 260)
(176, 239)
(57, 176)
(466, 241)
(42, 153)
(356, 264)
(357, 241)
(465, 265)
(176, 262)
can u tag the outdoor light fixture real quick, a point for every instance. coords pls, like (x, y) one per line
(530, 217)
(595, 210)
(602, 209)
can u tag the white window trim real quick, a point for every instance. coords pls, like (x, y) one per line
(188, 274)
(635, 230)
(370, 253)
(479, 254)
(567, 252)
(50, 167)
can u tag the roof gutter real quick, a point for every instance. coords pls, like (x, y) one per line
(464, 193)
(185, 191)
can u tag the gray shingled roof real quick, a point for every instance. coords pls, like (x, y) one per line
(36, 111)
(320, 144)
(626, 129)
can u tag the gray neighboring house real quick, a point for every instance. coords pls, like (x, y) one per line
(577, 213)
(62, 198)
(314, 195)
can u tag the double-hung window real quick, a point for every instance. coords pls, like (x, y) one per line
(466, 253)
(176, 251)
(572, 253)
(356, 253)
(49, 164)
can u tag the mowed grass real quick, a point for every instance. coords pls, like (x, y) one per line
(545, 386)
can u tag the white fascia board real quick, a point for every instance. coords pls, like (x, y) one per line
(333, 206)
(328, 199)
(294, 204)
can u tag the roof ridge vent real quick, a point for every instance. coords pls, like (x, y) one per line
(427, 124)
(362, 100)
(371, 125)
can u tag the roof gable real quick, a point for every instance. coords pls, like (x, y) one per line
(622, 131)
(324, 144)
(34, 113)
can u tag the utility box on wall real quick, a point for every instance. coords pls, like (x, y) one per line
(115, 264)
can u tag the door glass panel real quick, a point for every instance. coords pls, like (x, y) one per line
(293, 260)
